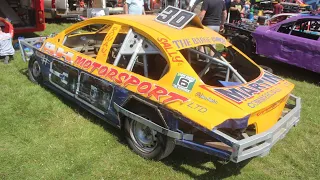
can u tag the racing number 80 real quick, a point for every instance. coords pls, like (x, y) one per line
(175, 17)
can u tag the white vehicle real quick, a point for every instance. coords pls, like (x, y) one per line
(73, 8)
(56, 8)
(279, 17)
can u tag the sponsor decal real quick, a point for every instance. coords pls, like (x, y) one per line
(191, 42)
(57, 52)
(263, 98)
(43, 58)
(183, 82)
(124, 79)
(197, 107)
(248, 91)
(110, 37)
(121, 78)
(201, 96)
(270, 108)
(173, 55)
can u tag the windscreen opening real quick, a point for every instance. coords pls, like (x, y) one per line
(220, 66)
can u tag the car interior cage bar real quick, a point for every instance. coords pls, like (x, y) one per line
(145, 66)
(134, 57)
(219, 61)
(126, 39)
(137, 46)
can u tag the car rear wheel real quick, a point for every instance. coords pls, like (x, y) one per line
(145, 141)
(34, 71)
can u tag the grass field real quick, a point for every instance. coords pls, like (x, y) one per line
(43, 136)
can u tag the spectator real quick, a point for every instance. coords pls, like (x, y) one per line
(277, 7)
(195, 6)
(228, 3)
(6, 48)
(81, 4)
(213, 14)
(134, 7)
(236, 9)
(246, 7)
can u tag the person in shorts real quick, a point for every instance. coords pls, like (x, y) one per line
(6, 48)
(135, 7)
(213, 14)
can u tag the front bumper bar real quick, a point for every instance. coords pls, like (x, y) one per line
(260, 144)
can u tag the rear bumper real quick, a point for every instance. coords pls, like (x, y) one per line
(260, 144)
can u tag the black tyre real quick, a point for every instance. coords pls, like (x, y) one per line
(34, 71)
(145, 141)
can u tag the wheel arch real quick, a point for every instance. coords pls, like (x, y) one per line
(134, 101)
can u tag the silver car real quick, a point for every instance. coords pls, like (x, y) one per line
(56, 8)
(71, 9)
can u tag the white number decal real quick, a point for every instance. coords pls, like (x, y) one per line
(175, 17)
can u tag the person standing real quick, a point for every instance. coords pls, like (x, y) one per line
(236, 9)
(277, 7)
(135, 7)
(213, 14)
(6, 48)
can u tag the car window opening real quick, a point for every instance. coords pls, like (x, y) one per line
(87, 39)
(309, 29)
(139, 55)
(220, 66)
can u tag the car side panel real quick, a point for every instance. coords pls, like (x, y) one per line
(267, 43)
(286, 48)
(119, 95)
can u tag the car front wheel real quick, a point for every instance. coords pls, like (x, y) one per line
(34, 71)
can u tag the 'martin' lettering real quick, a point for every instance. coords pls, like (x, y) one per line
(242, 93)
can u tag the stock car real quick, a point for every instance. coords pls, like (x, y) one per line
(278, 18)
(166, 80)
(294, 40)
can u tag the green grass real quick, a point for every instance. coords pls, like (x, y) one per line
(43, 136)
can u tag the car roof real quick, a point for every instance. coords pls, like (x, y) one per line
(148, 22)
(285, 14)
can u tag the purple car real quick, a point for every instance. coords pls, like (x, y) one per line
(294, 41)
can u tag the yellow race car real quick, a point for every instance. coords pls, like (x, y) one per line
(166, 80)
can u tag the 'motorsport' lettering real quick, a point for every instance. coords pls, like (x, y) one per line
(242, 93)
(126, 80)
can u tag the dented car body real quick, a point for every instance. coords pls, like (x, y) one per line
(295, 41)
(167, 83)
